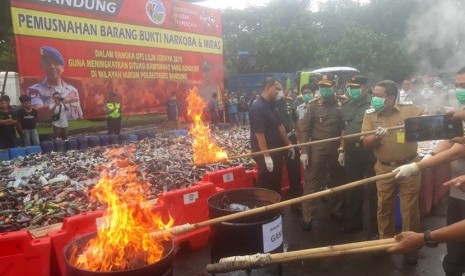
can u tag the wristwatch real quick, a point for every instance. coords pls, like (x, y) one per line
(429, 242)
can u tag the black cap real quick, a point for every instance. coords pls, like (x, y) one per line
(357, 81)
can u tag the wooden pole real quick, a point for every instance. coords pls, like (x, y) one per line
(176, 230)
(306, 144)
(251, 261)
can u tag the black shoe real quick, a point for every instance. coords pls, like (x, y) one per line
(351, 228)
(411, 258)
(307, 225)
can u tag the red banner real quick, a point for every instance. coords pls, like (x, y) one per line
(143, 50)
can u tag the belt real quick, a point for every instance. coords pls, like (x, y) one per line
(355, 145)
(397, 163)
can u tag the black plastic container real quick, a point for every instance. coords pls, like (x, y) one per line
(260, 233)
(164, 267)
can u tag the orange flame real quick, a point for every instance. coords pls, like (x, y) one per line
(124, 241)
(205, 151)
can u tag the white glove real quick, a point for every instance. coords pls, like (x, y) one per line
(341, 157)
(427, 156)
(304, 159)
(406, 171)
(292, 153)
(269, 163)
(380, 132)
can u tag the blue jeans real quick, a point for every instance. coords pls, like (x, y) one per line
(243, 118)
(31, 134)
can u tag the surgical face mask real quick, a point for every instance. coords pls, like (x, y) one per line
(307, 97)
(326, 92)
(377, 103)
(355, 93)
(460, 95)
(280, 95)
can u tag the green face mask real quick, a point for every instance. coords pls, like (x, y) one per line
(307, 97)
(326, 92)
(460, 95)
(355, 93)
(377, 103)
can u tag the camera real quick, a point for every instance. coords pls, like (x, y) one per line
(432, 127)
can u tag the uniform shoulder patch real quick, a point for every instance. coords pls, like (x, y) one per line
(369, 111)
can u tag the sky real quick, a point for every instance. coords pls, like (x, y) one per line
(235, 4)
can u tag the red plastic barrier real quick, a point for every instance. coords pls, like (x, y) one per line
(285, 187)
(20, 254)
(72, 228)
(231, 178)
(189, 205)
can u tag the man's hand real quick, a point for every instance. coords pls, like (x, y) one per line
(406, 171)
(380, 132)
(458, 182)
(458, 140)
(269, 163)
(457, 114)
(292, 153)
(407, 242)
(427, 156)
(304, 159)
(341, 157)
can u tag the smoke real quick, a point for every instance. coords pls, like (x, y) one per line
(436, 33)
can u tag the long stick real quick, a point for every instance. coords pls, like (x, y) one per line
(179, 229)
(250, 261)
(306, 144)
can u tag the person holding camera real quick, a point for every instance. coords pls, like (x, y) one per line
(59, 118)
(448, 150)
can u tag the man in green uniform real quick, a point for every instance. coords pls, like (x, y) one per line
(113, 112)
(391, 151)
(357, 160)
(321, 121)
(288, 115)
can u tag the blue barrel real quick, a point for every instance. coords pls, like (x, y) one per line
(104, 140)
(150, 134)
(94, 141)
(141, 134)
(179, 132)
(33, 150)
(4, 155)
(47, 146)
(114, 140)
(17, 152)
(83, 143)
(123, 138)
(71, 144)
(133, 138)
(59, 145)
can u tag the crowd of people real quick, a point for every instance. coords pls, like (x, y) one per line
(321, 113)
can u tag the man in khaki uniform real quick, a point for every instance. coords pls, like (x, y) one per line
(391, 150)
(322, 120)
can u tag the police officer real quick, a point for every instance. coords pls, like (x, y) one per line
(267, 132)
(289, 118)
(322, 120)
(357, 160)
(114, 115)
(391, 151)
(52, 63)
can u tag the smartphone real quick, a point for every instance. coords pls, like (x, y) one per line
(432, 127)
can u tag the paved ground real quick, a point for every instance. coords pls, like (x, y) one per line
(327, 231)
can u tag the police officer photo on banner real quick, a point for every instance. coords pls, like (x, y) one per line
(52, 64)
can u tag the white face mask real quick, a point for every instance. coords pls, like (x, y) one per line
(280, 95)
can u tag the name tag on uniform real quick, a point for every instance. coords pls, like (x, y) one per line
(400, 138)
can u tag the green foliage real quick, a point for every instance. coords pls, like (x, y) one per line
(7, 44)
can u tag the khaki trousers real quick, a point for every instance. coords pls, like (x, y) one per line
(409, 206)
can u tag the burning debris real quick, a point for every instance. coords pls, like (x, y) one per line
(40, 190)
(124, 241)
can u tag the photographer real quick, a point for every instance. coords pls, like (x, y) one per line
(59, 119)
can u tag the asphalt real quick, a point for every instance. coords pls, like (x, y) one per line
(327, 232)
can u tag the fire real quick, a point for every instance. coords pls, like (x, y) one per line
(124, 241)
(205, 151)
